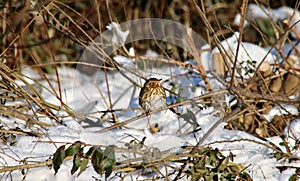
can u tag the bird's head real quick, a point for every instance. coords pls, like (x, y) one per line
(152, 82)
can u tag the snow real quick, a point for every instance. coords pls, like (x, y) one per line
(247, 61)
(293, 130)
(261, 164)
(281, 110)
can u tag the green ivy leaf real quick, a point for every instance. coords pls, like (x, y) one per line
(108, 171)
(294, 177)
(278, 155)
(73, 149)
(84, 164)
(211, 164)
(97, 158)
(224, 164)
(109, 161)
(109, 152)
(76, 163)
(58, 158)
(89, 153)
(282, 144)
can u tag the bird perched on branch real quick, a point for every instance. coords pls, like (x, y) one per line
(153, 96)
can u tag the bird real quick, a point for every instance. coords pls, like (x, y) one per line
(152, 96)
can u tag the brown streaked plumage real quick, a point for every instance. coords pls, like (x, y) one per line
(152, 95)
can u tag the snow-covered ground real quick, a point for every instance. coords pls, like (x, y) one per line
(81, 96)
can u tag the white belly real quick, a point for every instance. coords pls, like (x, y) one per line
(155, 103)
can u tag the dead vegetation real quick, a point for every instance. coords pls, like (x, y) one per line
(46, 35)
